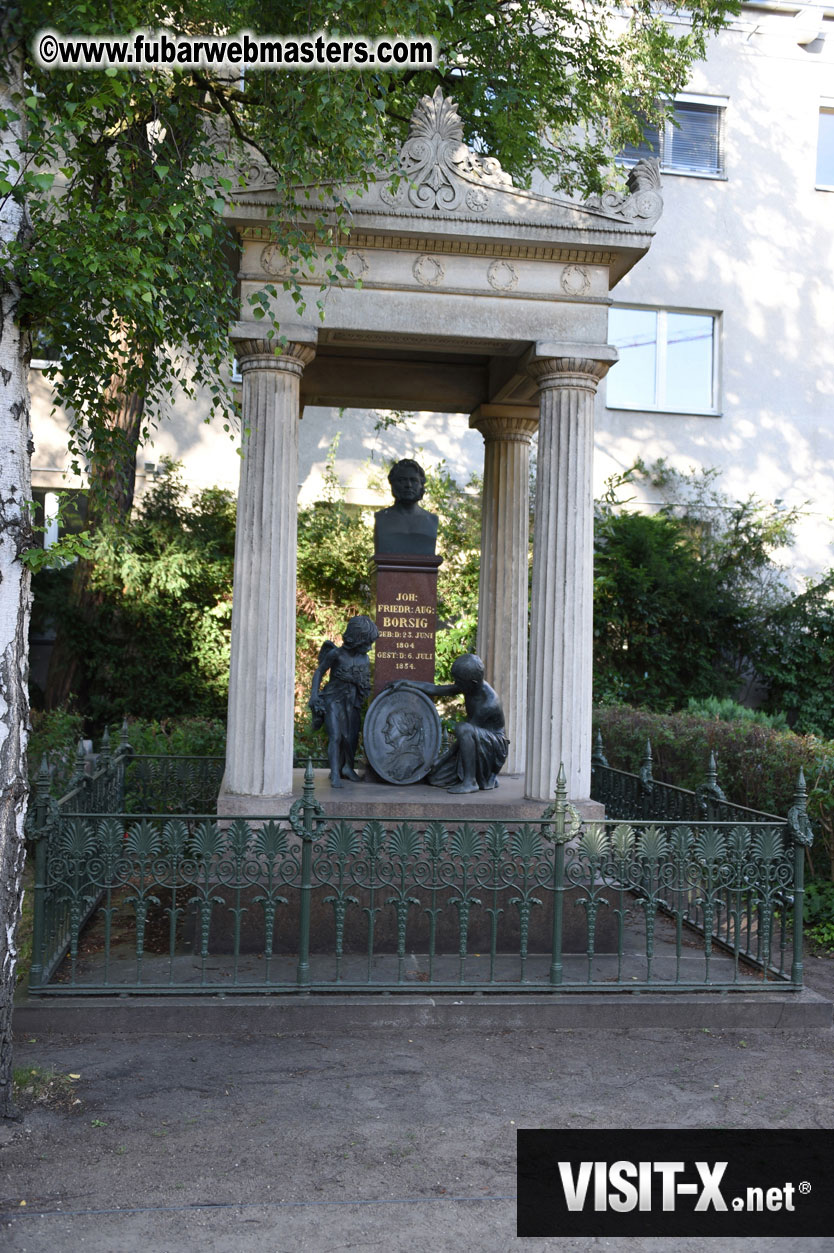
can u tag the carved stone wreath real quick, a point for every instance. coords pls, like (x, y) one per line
(502, 276)
(575, 280)
(275, 262)
(357, 264)
(428, 271)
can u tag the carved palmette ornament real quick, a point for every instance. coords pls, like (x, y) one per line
(643, 202)
(439, 166)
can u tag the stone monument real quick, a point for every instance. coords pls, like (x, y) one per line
(405, 580)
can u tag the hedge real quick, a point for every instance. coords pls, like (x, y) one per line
(757, 765)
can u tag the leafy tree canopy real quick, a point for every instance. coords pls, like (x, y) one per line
(126, 263)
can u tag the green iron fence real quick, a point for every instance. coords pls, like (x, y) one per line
(61, 912)
(304, 902)
(739, 920)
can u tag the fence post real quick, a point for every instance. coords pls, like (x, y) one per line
(308, 811)
(560, 809)
(39, 893)
(646, 781)
(79, 780)
(598, 762)
(708, 795)
(598, 757)
(123, 755)
(799, 830)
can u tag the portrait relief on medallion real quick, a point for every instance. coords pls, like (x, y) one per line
(502, 276)
(428, 271)
(575, 280)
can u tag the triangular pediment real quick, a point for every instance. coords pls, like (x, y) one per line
(437, 178)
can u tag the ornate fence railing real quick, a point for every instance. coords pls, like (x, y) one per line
(304, 902)
(62, 913)
(738, 922)
(172, 785)
(642, 796)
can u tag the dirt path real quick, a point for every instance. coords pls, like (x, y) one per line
(383, 1140)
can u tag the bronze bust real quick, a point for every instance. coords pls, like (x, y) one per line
(404, 527)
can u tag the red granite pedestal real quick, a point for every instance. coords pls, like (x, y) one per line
(405, 588)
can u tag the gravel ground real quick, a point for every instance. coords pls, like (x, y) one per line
(389, 1140)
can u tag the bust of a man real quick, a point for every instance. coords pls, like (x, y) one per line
(405, 527)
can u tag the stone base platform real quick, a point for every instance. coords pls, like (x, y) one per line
(506, 803)
(232, 1016)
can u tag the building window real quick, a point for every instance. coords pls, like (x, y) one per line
(49, 526)
(668, 360)
(688, 142)
(46, 352)
(825, 148)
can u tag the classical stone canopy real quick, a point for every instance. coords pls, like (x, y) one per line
(464, 294)
(451, 266)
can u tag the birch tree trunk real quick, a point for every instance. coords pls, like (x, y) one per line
(15, 536)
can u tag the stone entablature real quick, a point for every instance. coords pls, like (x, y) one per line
(419, 269)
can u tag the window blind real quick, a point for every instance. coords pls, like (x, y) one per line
(692, 139)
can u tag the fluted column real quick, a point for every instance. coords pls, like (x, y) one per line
(561, 614)
(505, 533)
(262, 674)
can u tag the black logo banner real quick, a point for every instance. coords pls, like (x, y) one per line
(676, 1183)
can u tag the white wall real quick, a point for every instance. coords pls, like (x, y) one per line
(758, 248)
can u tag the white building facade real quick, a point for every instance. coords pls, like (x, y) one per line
(726, 329)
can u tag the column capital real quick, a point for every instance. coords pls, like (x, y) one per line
(582, 372)
(512, 424)
(570, 365)
(264, 354)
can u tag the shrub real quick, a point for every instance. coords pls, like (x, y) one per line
(155, 639)
(686, 598)
(729, 710)
(660, 617)
(177, 737)
(795, 658)
(55, 734)
(757, 765)
(818, 914)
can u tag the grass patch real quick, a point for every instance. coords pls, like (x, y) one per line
(44, 1088)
